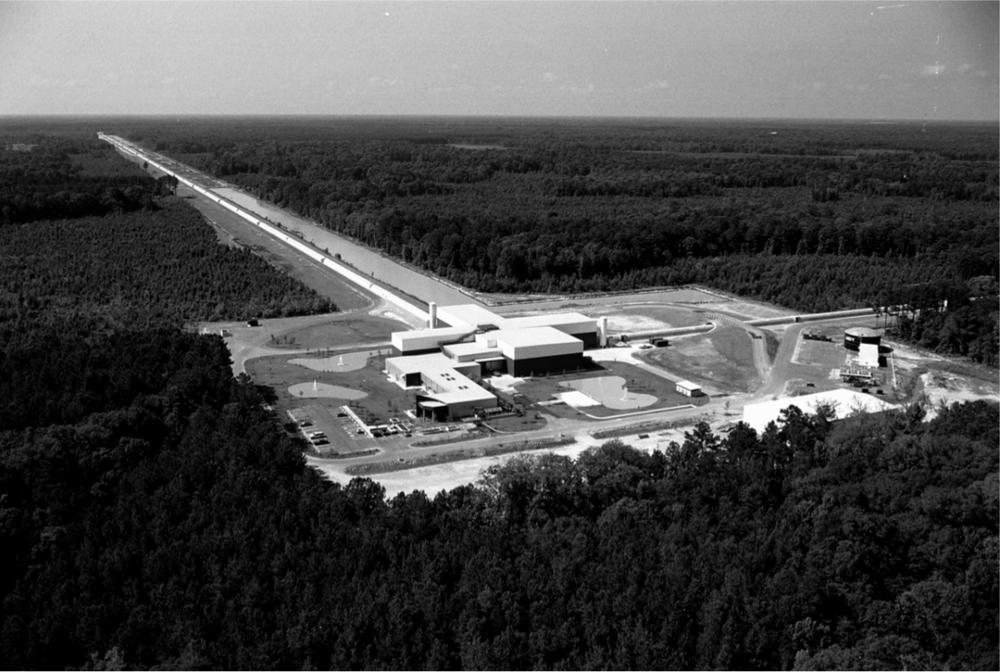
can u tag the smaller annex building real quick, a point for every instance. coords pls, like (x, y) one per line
(688, 389)
(843, 402)
(448, 361)
(448, 389)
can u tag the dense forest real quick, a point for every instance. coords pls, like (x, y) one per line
(60, 176)
(807, 215)
(183, 530)
(154, 513)
(72, 286)
(156, 267)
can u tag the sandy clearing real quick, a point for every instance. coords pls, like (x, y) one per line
(349, 361)
(944, 388)
(625, 323)
(440, 477)
(577, 399)
(611, 392)
(315, 390)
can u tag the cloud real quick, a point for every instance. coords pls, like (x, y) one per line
(40, 82)
(655, 85)
(549, 76)
(589, 88)
(882, 8)
(382, 81)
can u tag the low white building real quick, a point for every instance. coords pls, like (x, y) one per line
(448, 389)
(420, 341)
(868, 355)
(689, 389)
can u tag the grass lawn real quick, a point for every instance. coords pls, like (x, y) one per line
(636, 380)
(384, 399)
(721, 361)
(338, 332)
(820, 353)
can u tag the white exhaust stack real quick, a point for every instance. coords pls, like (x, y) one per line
(432, 314)
(602, 332)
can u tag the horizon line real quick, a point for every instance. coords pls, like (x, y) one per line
(540, 117)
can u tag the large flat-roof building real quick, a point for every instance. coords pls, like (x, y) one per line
(477, 318)
(470, 316)
(422, 341)
(537, 350)
(447, 361)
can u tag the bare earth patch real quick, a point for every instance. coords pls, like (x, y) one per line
(721, 361)
(317, 390)
(942, 387)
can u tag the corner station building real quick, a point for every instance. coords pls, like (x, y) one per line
(448, 362)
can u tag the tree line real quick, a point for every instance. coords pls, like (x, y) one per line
(810, 216)
(55, 176)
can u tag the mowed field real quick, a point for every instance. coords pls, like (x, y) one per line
(510, 303)
(636, 380)
(637, 318)
(383, 398)
(363, 329)
(721, 361)
(639, 312)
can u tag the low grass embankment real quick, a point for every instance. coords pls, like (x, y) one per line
(457, 455)
(648, 426)
(722, 360)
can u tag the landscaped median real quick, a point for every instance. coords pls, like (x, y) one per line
(402, 464)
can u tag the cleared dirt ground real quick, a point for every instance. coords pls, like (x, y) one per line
(721, 361)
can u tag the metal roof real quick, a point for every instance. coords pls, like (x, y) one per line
(862, 332)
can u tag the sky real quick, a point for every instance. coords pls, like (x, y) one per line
(793, 59)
